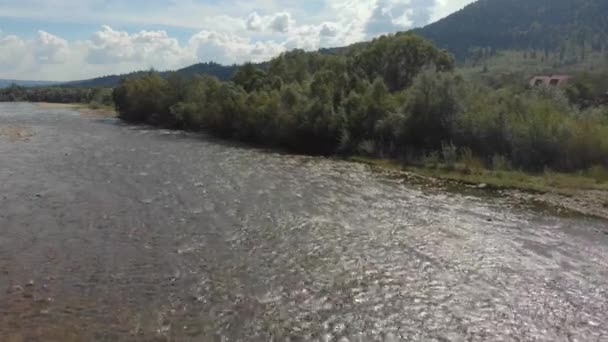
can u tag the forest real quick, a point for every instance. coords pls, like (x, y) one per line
(57, 94)
(222, 72)
(572, 28)
(396, 97)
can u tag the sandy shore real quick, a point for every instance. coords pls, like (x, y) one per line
(84, 109)
(16, 133)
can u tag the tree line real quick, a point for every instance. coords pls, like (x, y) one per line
(56, 94)
(396, 97)
(222, 72)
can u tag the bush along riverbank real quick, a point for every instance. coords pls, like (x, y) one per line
(95, 98)
(396, 97)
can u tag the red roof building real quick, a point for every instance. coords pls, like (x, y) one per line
(550, 81)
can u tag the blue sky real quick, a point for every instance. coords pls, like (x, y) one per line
(78, 39)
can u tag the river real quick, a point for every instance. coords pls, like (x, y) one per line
(111, 232)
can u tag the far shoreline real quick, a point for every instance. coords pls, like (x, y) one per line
(85, 109)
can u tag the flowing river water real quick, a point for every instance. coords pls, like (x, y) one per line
(111, 232)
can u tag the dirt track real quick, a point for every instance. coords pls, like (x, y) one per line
(111, 232)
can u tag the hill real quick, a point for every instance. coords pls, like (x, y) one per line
(571, 28)
(7, 83)
(222, 72)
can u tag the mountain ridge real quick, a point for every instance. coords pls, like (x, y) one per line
(549, 25)
(222, 72)
(26, 83)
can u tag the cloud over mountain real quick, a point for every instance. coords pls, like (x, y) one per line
(227, 32)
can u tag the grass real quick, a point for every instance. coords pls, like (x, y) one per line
(553, 182)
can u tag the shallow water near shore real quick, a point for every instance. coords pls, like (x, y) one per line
(111, 232)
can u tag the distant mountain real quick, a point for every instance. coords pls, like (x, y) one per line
(222, 72)
(212, 69)
(564, 28)
(7, 83)
(556, 25)
(103, 81)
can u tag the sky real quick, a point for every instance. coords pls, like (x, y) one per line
(64, 40)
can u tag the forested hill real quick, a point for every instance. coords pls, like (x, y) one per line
(222, 72)
(6, 83)
(549, 25)
(394, 97)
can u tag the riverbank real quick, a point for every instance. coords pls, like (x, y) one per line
(85, 109)
(582, 193)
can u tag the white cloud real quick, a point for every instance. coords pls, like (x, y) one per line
(352, 18)
(329, 30)
(150, 48)
(304, 37)
(229, 48)
(279, 22)
(254, 22)
(395, 15)
(197, 14)
(230, 31)
(49, 49)
(13, 52)
(44, 51)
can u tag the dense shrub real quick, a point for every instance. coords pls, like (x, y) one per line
(535, 129)
(57, 94)
(394, 97)
(430, 109)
